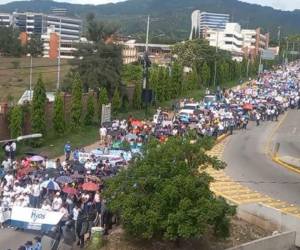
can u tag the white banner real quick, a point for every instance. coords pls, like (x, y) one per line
(34, 218)
(83, 157)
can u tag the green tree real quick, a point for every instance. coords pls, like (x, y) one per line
(102, 100)
(192, 80)
(132, 74)
(15, 121)
(99, 64)
(39, 100)
(176, 79)
(137, 97)
(90, 111)
(59, 124)
(116, 101)
(205, 74)
(76, 102)
(35, 46)
(125, 104)
(10, 44)
(167, 197)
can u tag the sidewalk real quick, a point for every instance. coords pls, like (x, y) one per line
(291, 160)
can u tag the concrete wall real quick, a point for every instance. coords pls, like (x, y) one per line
(284, 241)
(270, 219)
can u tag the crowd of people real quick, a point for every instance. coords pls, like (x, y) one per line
(73, 185)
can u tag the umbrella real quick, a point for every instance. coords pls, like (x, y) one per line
(136, 123)
(69, 190)
(94, 178)
(90, 186)
(36, 158)
(51, 185)
(76, 175)
(64, 179)
(248, 106)
(51, 172)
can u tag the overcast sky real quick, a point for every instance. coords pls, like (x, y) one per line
(278, 4)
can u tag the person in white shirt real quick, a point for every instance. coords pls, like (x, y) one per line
(6, 164)
(103, 133)
(9, 178)
(88, 164)
(57, 202)
(46, 206)
(35, 192)
(65, 212)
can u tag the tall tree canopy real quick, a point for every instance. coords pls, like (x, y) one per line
(10, 44)
(38, 115)
(99, 63)
(167, 197)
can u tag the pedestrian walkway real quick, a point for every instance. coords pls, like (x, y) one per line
(237, 193)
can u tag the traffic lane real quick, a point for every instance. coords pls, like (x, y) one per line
(247, 162)
(288, 135)
(11, 239)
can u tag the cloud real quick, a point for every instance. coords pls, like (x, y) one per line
(278, 4)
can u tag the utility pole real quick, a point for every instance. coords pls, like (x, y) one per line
(145, 79)
(287, 50)
(260, 68)
(215, 73)
(248, 64)
(58, 58)
(30, 79)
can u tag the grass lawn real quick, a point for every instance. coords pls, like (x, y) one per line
(15, 72)
(53, 146)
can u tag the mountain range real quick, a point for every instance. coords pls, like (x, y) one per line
(170, 18)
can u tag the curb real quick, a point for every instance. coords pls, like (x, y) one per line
(221, 138)
(286, 165)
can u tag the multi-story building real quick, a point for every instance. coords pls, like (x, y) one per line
(69, 28)
(229, 39)
(31, 23)
(55, 46)
(5, 19)
(37, 24)
(239, 42)
(202, 21)
(254, 41)
(158, 53)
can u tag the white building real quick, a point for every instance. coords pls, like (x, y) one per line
(195, 30)
(53, 45)
(5, 19)
(255, 41)
(202, 21)
(237, 41)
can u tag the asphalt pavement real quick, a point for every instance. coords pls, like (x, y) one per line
(288, 135)
(11, 239)
(245, 154)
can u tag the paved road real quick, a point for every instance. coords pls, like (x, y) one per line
(289, 135)
(11, 239)
(247, 162)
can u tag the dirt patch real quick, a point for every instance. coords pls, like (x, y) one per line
(241, 232)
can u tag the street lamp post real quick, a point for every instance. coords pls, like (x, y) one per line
(215, 73)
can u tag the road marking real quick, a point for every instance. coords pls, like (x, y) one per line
(238, 194)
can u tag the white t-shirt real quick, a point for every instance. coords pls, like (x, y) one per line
(36, 190)
(103, 131)
(10, 179)
(57, 203)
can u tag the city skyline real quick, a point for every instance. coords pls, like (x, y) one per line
(278, 4)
